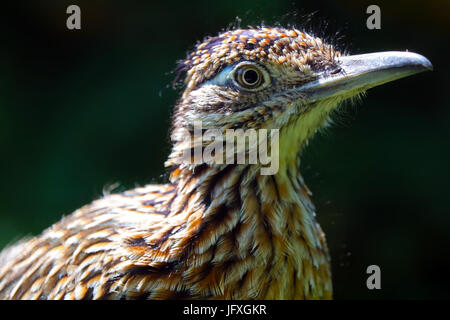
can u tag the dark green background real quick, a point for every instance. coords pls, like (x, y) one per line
(81, 110)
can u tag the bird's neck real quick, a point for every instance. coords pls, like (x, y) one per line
(260, 222)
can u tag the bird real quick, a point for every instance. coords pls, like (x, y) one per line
(216, 229)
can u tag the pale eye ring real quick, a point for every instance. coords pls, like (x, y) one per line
(251, 76)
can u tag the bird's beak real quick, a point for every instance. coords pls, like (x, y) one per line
(360, 72)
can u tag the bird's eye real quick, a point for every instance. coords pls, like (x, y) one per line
(250, 76)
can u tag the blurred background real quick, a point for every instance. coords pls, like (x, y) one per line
(82, 110)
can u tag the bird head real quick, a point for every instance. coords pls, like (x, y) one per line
(274, 78)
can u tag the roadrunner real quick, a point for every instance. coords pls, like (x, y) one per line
(216, 230)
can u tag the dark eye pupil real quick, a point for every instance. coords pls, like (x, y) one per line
(251, 77)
